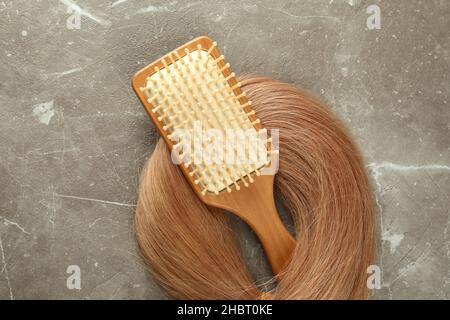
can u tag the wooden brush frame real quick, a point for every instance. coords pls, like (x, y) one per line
(254, 204)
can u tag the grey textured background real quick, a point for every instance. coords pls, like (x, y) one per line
(73, 136)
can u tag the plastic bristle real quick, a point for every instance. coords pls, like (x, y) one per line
(244, 181)
(172, 60)
(214, 44)
(241, 95)
(222, 57)
(237, 85)
(232, 75)
(164, 62)
(226, 66)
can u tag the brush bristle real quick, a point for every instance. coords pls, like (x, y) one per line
(191, 90)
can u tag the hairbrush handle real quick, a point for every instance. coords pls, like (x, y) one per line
(255, 205)
(265, 221)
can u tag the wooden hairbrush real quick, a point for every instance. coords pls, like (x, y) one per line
(194, 85)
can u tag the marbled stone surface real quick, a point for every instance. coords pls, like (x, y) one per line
(73, 136)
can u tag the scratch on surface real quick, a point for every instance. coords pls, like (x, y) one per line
(63, 134)
(95, 200)
(331, 18)
(53, 152)
(5, 270)
(352, 3)
(53, 214)
(167, 8)
(104, 114)
(192, 4)
(116, 291)
(15, 224)
(116, 3)
(64, 73)
(86, 13)
(399, 167)
(151, 8)
(93, 223)
(412, 266)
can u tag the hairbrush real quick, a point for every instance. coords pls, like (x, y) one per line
(191, 92)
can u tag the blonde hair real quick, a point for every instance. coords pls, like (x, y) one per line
(191, 249)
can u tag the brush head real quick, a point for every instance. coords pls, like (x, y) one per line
(207, 121)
